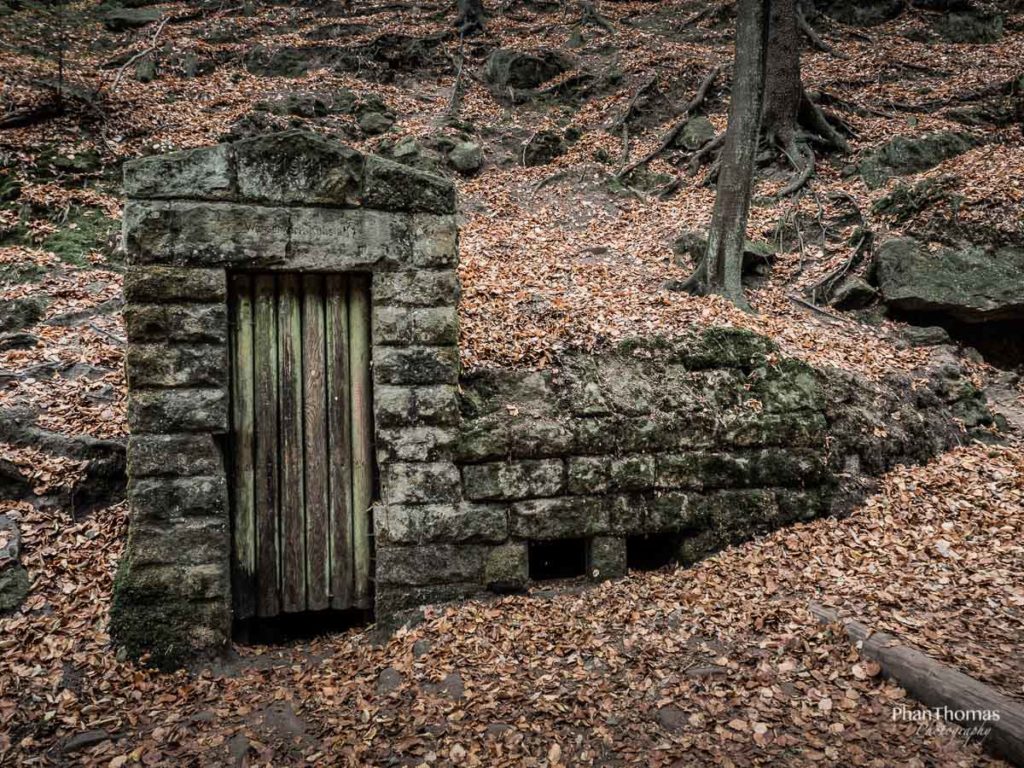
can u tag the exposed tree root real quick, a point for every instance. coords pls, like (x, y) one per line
(705, 152)
(628, 113)
(591, 16)
(824, 288)
(805, 169)
(814, 120)
(674, 131)
(814, 37)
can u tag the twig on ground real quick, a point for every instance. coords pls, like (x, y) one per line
(628, 113)
(140, 54)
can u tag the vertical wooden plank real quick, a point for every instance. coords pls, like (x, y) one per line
(243, 477)
(314, 396)
(362, 434)
(293, 522)
(339, 438)
(266, 469)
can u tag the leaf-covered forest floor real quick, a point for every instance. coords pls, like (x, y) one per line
(717, 663)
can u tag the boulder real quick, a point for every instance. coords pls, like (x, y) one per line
(524, 70)
(120, 19)
(972, 284)
(853, 293)
(969, 27)
(926, 335)
(697, 132)
(864, 13)
(414, 153)
(298, 104)
(21, 313)
(543, 147)
(466, 157)
(145, 70)
(904, 155)
(375, 123)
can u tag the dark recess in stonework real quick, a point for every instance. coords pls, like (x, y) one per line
(293, 627)
(649, 552)
(558, 559)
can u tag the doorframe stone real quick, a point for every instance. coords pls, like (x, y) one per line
(292, 201)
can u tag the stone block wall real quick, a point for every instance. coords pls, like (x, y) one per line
(694, 443)
(291, 202)
(712, 438)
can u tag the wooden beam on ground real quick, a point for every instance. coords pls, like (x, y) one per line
(937, 685)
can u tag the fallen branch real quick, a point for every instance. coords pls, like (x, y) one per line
(814, 308)
(674, 131)
(966, 702)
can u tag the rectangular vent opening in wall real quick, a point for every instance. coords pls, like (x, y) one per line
(557, 559)
(649, 552)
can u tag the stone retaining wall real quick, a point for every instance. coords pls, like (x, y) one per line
(708, 440)
(703, 437)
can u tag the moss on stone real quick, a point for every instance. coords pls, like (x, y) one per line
(724, 347)
(85, 231)
(148, 619)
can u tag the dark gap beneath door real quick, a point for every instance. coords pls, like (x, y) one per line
(288, 627)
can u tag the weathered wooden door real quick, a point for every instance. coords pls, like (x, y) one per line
(301, 452)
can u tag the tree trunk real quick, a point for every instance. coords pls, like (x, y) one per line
(471, 16)
(787, 108)
(722, 268)
(782, 85)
